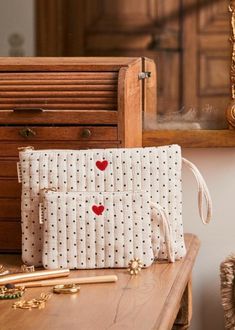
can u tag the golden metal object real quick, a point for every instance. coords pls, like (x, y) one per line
(74, 280)
(66, 288)
(135, 266)
(27, 269)
(26, 148)
(45, 190)
(34, 276)
(230, 110)
(11, 293)
(39, 303)
(27, 132)
(86, 133)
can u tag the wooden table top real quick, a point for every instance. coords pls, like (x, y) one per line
(149, 300)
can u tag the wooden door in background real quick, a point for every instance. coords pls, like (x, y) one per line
(188, 39)
(206, 60)
(140, 28)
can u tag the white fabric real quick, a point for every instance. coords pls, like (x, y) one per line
(96, 230)
(156, 170)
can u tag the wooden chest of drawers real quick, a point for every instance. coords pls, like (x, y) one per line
(66, 103)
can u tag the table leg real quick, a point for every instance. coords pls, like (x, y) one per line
(184, 316)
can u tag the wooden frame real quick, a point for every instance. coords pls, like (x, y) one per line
(58, 44)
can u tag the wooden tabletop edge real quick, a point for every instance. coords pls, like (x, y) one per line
(166, 318)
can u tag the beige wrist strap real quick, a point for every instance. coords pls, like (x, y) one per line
(167, 232)
(203, 193)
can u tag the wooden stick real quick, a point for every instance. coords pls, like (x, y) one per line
(33, 276)
(75, 280)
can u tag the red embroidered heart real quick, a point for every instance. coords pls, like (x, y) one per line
(98, 210)
(102, 165)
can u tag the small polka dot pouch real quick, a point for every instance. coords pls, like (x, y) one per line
(84, 230)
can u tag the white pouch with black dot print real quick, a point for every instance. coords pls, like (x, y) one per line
(155, 169)
(85, 230)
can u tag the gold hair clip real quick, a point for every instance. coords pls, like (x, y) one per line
(66, 288)
(27, 269)
(135, 266)
(39, 303)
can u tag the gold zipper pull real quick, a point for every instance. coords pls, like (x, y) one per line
(45, 190)
(28, 148)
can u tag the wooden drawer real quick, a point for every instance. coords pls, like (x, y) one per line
(10, 236)
(11, 149)
(9, 209)
(53, 133)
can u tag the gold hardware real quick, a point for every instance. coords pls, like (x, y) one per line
(11, 293)
(27, 132)
(66, 288)
(230, 110)
(27, 269)
(45, 190)
(28, 148)
(135, 266)
(33, 303)
(86, 133)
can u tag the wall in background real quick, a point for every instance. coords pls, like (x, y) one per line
(17, 27)
(218, 238)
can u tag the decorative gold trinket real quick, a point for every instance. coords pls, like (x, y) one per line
(66, 288)
(33, 303)
(27, 269)
(11, 293)
(135, 266)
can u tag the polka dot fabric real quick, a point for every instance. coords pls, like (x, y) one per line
(156, 170)
(96, 230)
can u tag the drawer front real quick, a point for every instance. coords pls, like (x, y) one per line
(10, 236)
(57, 96)
(84, 134)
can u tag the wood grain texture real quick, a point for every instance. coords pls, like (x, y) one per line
(184, 315)
(57, 64)
(190, 138)
(130, 105)
(148, 301)
(7, 244)
(60, 91)
(65, 133)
